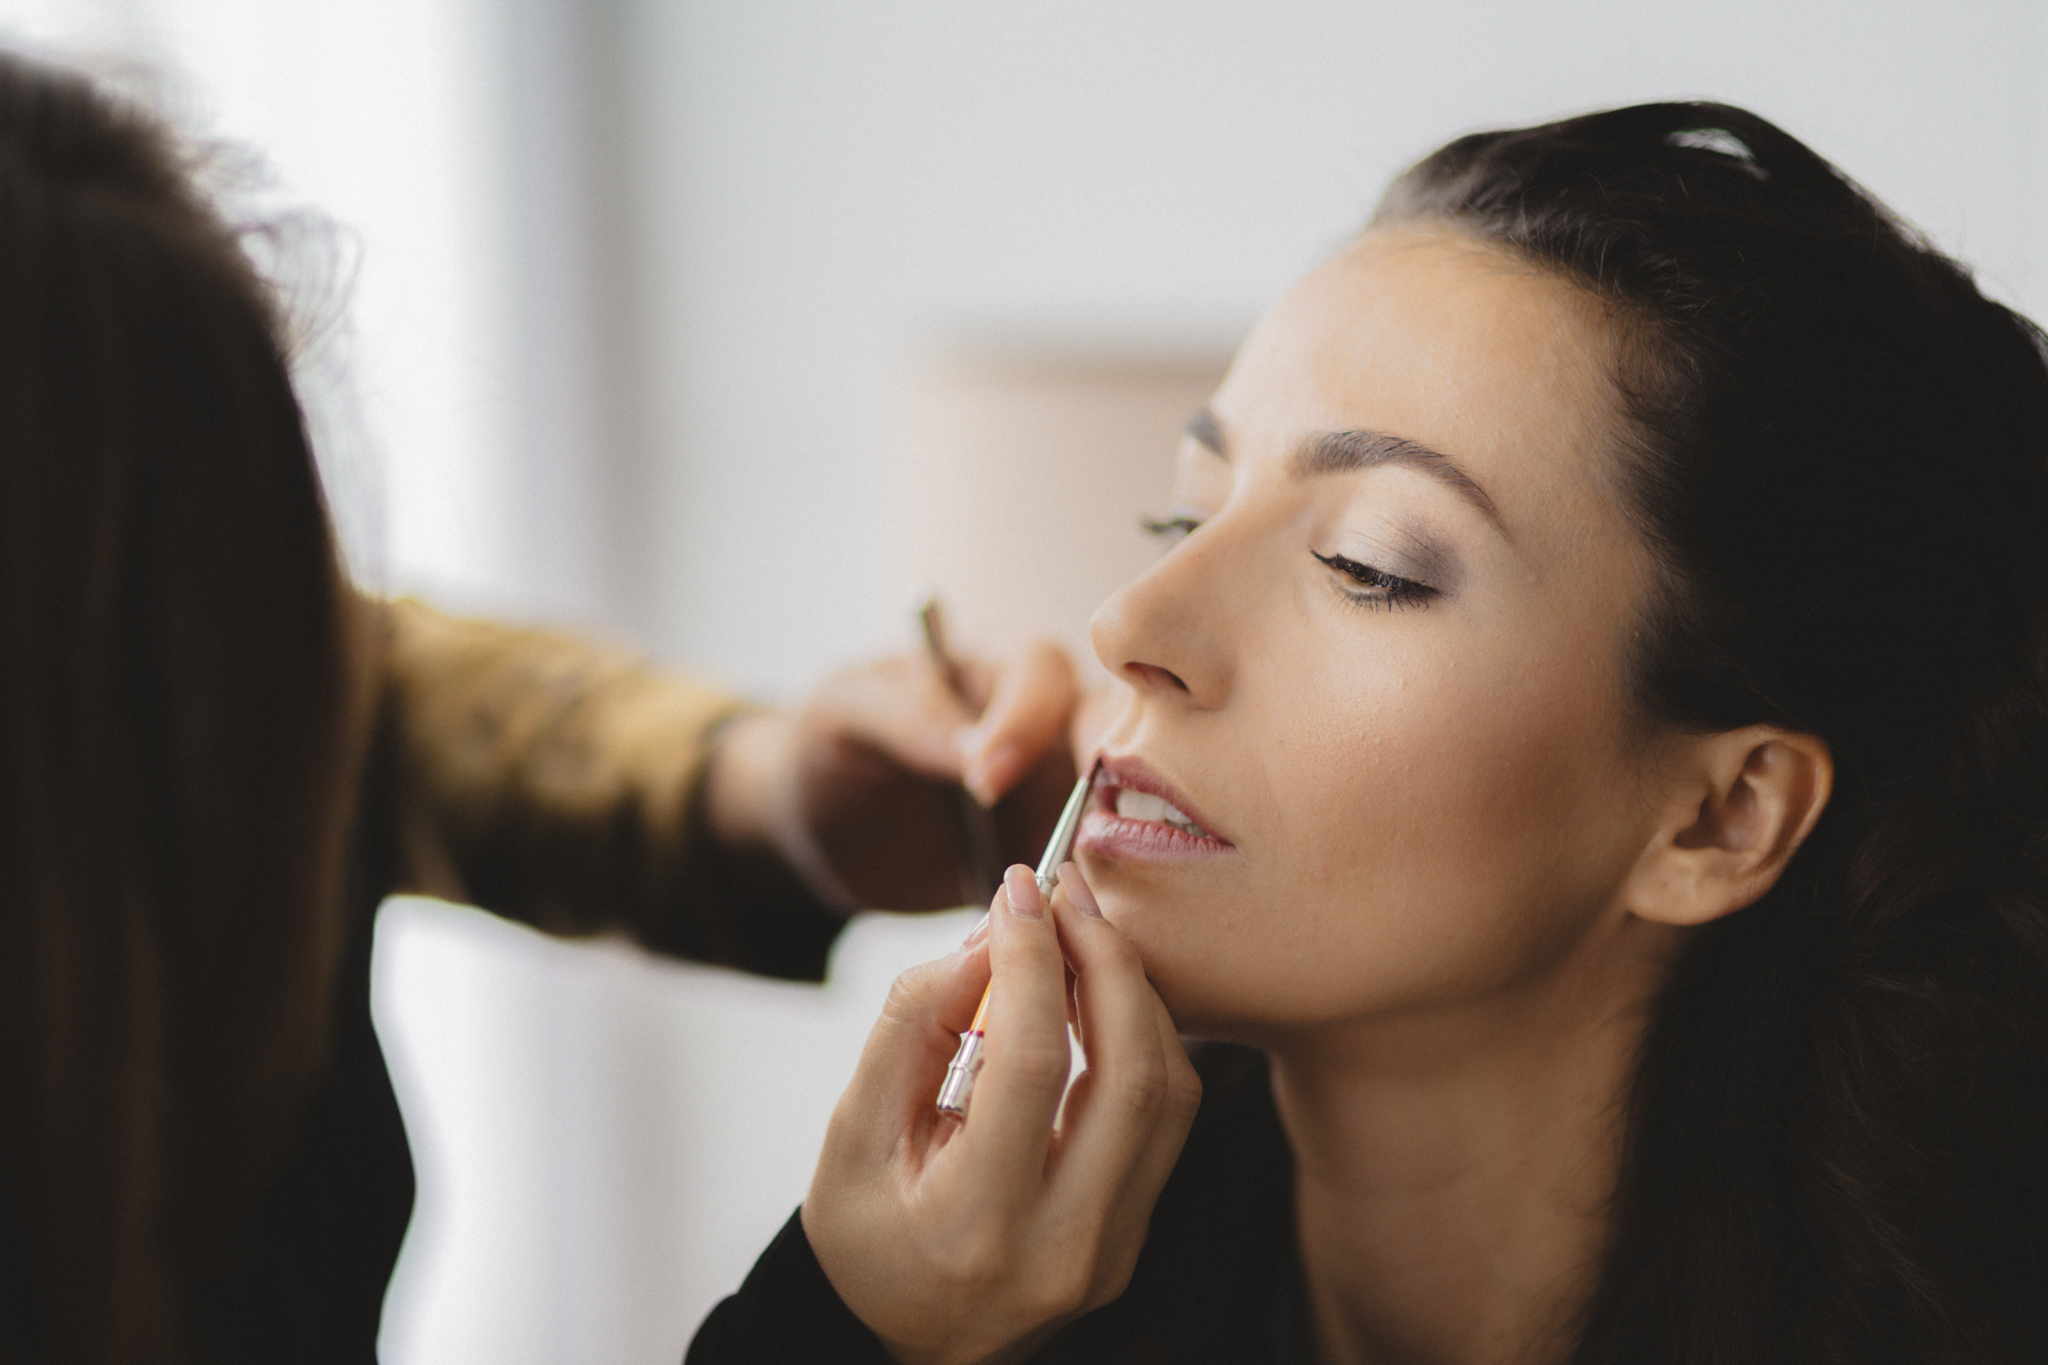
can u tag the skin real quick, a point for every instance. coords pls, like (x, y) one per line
(972, 1240)
(1445, 869)
(854, 787)
(1430, 791)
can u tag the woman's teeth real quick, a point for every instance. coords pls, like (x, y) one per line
(1134, 805)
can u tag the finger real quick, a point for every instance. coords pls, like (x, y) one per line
(1155, 1161)
(1026, 716)
(901, 706)
(1183, 1100)
(1115, 1215)
(1116, 1121)
(1073, 887)
(1104, 1184)
(1025, 1053)
(1127, 999)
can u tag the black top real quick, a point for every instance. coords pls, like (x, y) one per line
(1218, 1280)
(537, 776)
(306, 1279)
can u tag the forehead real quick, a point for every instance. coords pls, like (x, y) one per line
(1436, 338)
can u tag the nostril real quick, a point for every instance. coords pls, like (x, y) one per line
(1153, 675)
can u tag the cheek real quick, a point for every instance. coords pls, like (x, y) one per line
(1438, 829)
(1439, 746)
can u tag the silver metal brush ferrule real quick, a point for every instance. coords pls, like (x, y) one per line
(960, 1076)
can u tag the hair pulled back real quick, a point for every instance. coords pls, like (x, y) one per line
(1837, 448)
(173, 688)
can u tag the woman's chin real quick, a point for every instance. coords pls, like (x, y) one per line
(1176, 915)
(1197, 993)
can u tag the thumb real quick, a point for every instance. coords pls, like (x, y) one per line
(1026, 716)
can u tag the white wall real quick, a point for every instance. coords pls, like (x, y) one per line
(823, 184)
(643, 285)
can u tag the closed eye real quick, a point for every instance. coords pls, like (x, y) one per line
(1172, 529)
(1375, 588)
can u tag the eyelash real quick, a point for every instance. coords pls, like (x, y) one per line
(1171, 529)
(1388, 591)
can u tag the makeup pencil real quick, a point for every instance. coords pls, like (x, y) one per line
(980, 859)
(966, 1064)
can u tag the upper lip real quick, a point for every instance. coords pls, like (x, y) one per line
(1131, 771)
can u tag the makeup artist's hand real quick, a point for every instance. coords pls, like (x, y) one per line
(973, 1240)
(857, 787)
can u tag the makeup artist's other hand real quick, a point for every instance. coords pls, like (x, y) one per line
(973, 1240)
(857, 787)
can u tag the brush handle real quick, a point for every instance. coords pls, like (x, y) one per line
(981, 867)
(966, 1063)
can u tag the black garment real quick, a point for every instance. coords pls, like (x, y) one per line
(544, 779)
(1219, 1278)
(305, 1280)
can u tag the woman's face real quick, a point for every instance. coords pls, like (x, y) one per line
(1383, 675)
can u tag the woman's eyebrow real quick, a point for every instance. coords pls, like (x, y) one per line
(1339, 452)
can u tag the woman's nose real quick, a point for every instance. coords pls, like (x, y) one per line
(1164, 633)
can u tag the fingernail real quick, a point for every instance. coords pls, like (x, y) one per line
(1078, 891)
(1022, 889)
(977, 933)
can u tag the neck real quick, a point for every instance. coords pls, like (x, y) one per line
(1454, 1168)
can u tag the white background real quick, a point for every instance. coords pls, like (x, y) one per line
(639, 289)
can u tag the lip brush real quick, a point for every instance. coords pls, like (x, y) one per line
(980, 868)
(953, 1095)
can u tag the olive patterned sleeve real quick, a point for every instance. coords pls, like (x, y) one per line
(557, 782)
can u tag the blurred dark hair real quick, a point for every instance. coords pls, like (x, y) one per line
(1837, 447)
(174, 697)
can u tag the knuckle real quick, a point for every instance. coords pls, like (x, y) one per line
(1093, 1269)
(1112, 1277)
(1141, 1085)
(1066, 1287)
(908, 994)
(1123, 957)
(1036, 1066)
(1184, 1092)
(974, 1258)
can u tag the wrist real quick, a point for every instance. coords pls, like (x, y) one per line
(751, 755)
(752, 802)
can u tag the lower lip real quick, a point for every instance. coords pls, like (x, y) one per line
(1105, 832)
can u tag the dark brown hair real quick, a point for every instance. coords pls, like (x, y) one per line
(174, 689)
(1838, 449)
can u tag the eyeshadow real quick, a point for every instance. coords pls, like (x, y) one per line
(1407, 550)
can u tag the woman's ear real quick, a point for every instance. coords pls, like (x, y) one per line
(1740, 805)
